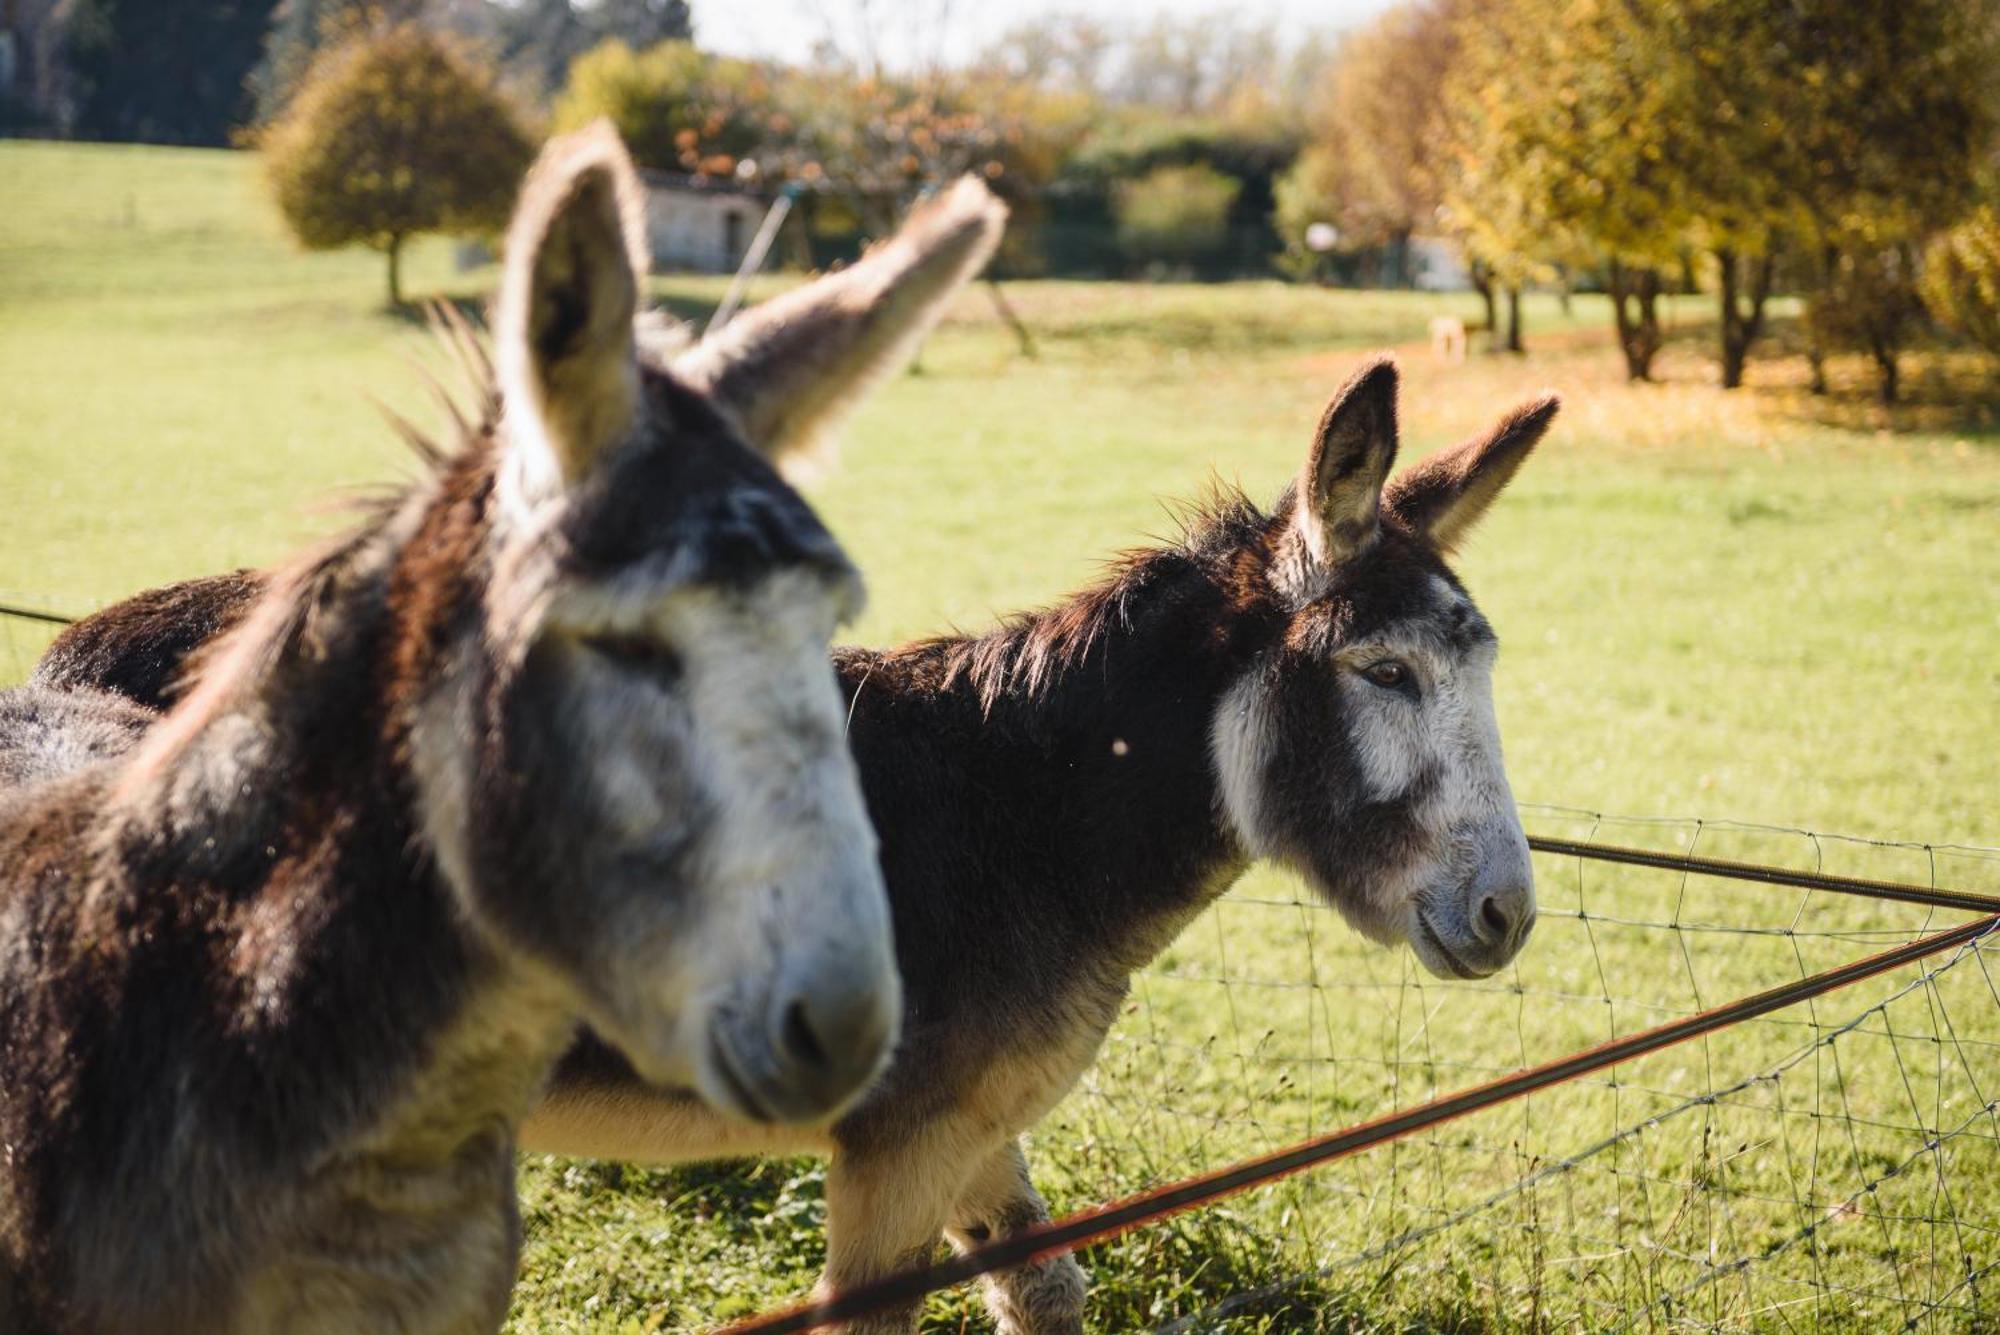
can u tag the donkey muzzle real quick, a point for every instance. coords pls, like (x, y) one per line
(819, 1037)
(1476, 927)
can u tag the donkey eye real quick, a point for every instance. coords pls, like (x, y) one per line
(636, 653)
(1390, 676)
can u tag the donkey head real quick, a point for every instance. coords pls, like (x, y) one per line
(645, 783)
(1361, 748)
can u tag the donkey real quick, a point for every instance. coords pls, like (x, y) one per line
(1057, 798)
(551, 737)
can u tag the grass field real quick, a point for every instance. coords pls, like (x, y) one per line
(1755, 606)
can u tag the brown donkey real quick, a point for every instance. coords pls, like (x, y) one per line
(551, 739)
(1057, 798)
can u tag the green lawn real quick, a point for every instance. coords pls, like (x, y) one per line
(1756, 607)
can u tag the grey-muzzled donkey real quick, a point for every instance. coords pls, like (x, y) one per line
(552, 738)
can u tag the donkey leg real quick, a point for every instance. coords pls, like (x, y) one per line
(885, 1212)
(1044, 1298)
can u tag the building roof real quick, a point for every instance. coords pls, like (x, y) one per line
(702, 184)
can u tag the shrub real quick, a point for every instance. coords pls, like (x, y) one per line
(1313, 191)
(1961, 282)
(393, 134)
(1177, 215)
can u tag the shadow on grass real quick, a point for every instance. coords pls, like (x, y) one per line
(1210, 1272)
(1206, 1272)
(777, 1204)
(1943, 388)
(781, 1201)
(1934, 398)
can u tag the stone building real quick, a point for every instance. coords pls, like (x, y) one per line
(699, 224)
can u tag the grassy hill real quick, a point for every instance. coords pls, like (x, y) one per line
(1755, 606)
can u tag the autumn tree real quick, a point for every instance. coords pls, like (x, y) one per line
(391, 135)
(1737, 130)
(1900, 123)
(1845, 133)
(1961, 279)
(678, 108)
(1558, 150)
(1380, 152)
(1372, 164)
(880, 140)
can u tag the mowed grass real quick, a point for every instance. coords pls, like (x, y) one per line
(1755, 606)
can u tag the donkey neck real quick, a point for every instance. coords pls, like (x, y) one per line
(1068, 753)
(285, 822)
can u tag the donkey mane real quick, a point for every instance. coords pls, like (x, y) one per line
(280, 618)
(1027, 654)
(285, 618)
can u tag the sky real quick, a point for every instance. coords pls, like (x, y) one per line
(910, 29)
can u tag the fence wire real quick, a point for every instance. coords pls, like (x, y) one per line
(27, 624)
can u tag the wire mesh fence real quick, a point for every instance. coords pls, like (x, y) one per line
(1831, 1166)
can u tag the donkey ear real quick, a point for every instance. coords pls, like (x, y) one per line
(1341, 488)
(1444, 496)
(568, 378)
(793, 368)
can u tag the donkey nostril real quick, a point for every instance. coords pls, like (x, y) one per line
(1493, 915)
(801, 1043)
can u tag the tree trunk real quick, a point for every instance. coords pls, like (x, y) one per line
(1742, 309)
(1815, 349)
(1635, 308)
(1482, 283)
(1011, 318)
(1514, 320)
(395, 273)
(1884, 352)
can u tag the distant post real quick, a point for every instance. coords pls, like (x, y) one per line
(753, 258)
